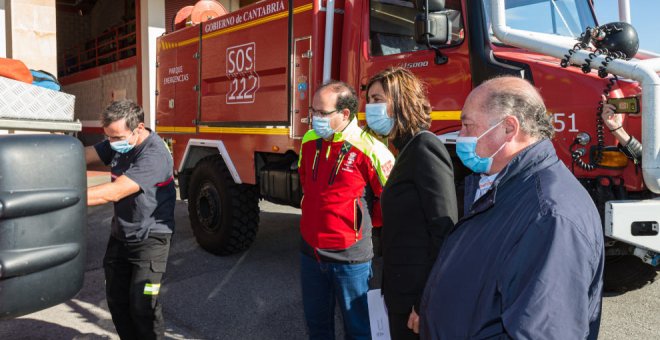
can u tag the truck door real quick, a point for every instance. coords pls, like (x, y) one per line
(389, 40)
(43, 218)
(302, 67)
(177, 86)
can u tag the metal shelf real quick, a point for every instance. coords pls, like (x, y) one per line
(40, 125)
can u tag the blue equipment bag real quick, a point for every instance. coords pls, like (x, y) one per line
(45, 79)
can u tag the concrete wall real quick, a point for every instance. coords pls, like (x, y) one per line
(31, 35)
(92, 96)
(3, 31)
(152, 19)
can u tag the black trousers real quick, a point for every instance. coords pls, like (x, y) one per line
(399, 327)
(133, 274)
(376, 280)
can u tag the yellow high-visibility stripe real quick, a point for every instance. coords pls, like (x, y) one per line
(244, 131)
(227, 130)
(435, 115)
(446, 115)
(151, 289)
(260, 21)
(176, 129)
(303, 8)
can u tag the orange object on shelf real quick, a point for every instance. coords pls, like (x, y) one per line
(206, 10)
(15, 69)
(182, 18)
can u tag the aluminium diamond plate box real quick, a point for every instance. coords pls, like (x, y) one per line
(20, 100)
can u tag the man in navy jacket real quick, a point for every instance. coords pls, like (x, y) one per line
(526, 260)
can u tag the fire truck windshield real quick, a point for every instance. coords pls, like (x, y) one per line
(561, 17)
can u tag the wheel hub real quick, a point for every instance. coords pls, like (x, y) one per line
(208, 207)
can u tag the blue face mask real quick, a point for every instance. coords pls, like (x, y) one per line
(466, 149)
(378, 120)
(122, 146)
(321, 126)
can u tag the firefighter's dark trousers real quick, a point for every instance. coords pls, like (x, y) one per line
(133, 274)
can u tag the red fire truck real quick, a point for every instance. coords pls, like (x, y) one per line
(233, 95)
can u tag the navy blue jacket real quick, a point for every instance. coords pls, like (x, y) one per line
(525, 262)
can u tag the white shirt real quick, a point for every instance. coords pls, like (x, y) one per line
(485, 182)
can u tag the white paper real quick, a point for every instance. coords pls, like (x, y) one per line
(380, 327)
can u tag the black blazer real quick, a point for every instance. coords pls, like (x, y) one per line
(419, 210)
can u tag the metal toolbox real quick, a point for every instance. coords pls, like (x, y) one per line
(20, 100)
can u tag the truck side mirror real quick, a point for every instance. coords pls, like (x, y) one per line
(436, 28)
(433, 27)
(43, 218)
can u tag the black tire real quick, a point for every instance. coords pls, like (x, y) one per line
(625, 273)
(224, 216)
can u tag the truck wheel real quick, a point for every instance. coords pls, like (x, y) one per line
(626, 272)
(224, 216)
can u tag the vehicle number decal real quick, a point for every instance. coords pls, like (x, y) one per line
(560, 121)
(243, 80)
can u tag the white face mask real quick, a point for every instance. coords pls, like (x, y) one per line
(466, 149)
(123, 146)
(378, 119)
(321, 126)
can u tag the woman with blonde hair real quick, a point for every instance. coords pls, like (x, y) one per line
(419, 199)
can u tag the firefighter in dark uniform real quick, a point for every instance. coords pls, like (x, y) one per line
(143, 193)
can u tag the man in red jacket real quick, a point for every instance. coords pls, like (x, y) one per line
(342, 171)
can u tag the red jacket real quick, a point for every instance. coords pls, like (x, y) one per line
(342, 181)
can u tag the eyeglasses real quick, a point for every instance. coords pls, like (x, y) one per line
(118, 138)
(321, 113)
